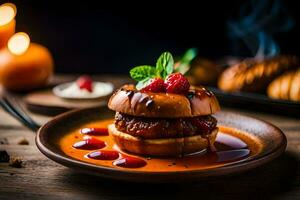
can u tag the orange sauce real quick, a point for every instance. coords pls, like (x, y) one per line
(231, 146)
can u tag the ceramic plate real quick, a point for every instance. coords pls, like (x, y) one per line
(270, 142)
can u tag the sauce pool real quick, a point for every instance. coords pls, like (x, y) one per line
(130, 162)
(91, 143)
(101, 131)
(104, 155)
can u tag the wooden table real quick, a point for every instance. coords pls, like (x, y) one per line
(41, 178)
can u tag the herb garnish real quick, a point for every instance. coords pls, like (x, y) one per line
(143, 74)
(164, 67)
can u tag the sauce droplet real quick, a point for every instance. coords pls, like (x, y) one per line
(149, 103)
(89, 144)
(144, 99)
(211, 146)
(129, 93)
(104, 155)
(95, 131)
(130, 162)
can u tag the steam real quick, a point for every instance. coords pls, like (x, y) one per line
(256, 24)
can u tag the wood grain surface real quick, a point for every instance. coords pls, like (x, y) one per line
(41, 178)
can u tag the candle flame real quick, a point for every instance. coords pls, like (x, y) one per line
(18, 43)
(8, 12)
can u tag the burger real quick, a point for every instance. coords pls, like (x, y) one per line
(163, 115)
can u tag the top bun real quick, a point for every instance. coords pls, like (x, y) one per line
(197, 102)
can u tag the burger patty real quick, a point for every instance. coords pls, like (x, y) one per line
(154, 128)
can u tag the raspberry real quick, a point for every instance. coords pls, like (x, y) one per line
(155, 85)
(177, 83)
(85, 82)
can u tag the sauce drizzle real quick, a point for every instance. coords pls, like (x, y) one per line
(97, 147)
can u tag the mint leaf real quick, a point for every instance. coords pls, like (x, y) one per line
(142, 72)
(164, 65)
(143, 83)
(184, 62)
(189, 55)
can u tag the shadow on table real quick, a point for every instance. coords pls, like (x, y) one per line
(271, 180)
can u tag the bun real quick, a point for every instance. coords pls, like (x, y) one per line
(286, 87)
(161, 147)
(198, 102)
(254, 76)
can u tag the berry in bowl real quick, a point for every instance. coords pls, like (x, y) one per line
(83, 88)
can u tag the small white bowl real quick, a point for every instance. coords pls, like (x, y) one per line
(72, 91)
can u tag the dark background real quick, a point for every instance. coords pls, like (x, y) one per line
(95, 37)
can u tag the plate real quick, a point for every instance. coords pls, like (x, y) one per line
(46, 103)
(271, 140)
(256, 101)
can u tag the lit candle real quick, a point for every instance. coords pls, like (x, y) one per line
(24, 65)
(7, 22)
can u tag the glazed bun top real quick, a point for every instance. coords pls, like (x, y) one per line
(197, 102)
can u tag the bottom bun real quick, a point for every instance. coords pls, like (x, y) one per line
(161, 147)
